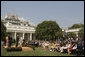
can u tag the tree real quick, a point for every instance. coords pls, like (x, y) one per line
(3, 32)
(76, 26)
(71, 34)
(59, 34)
(47, 30)
(81, 33)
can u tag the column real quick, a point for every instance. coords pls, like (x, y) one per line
(23, 35)
(30, 36)
(15, 35)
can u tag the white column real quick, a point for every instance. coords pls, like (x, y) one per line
(15, 35)
(23, 35)
(30, 36)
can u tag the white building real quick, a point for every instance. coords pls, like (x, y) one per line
(72, 30)
(16, 25)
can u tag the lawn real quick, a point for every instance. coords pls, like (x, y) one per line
(37, 52)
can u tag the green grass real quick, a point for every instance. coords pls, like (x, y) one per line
(37, 52)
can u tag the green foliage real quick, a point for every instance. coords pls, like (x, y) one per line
(71, 34)
(59, 34)
(76, 26)
(3, 32)
(13, 40)
(14, 49)
(81, 32)
(47, 30)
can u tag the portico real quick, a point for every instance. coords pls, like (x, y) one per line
(25, 34)
(15, 26)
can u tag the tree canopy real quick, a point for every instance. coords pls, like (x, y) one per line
(76, 26)
(3, 31)
(47, 30)
(59, 33)
(81, 32)
(71, 34)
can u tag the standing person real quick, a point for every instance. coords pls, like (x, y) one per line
(10, 41)
(21, 41)
(17, 40)
(7, 41)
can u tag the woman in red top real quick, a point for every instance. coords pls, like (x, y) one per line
(7, 41)
(70, 47)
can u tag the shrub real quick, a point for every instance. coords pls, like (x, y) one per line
(14, 49)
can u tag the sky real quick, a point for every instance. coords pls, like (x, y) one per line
(65, 13)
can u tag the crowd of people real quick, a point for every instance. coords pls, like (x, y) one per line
(63, 46)
(67, 45)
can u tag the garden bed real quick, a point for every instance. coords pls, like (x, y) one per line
(19, 49)
(14, 49)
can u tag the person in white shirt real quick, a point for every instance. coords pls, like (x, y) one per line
(75, 47)
(21, 41)
(64, 47)
(43, 45)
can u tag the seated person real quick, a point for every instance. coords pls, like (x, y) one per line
(53, 47)
(57, 46)
(70, 48)
(75, 47)
(80, 48)
(64, 47)
(43, 45)
(46, 45)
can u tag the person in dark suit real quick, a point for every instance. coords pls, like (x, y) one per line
(17, 40)
(9, 40)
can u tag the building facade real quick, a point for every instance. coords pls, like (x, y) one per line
(72, 30)
(16, 26)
